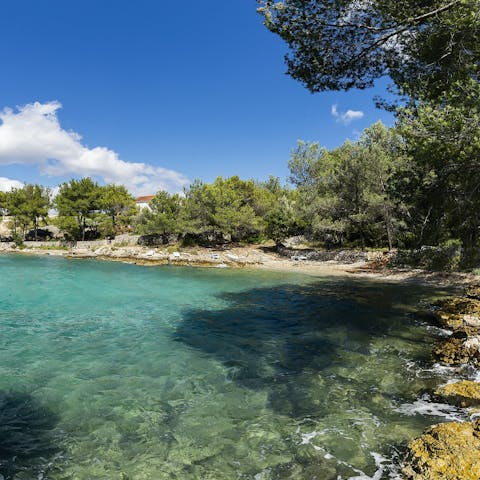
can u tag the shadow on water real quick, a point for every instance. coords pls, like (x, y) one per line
(26, 436)
(277, 337)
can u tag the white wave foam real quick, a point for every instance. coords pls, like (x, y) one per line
(308, 437)
(423, 406)
(475, 374)
(443, 371)
(441, 332)
(380, 462)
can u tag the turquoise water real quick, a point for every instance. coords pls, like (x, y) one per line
(116, 371)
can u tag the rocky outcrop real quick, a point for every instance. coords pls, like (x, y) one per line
(451, 451)
(458, 349)
(457, 312)
(462, 315)
(448, 451)
(473, 291)
(465, 393)
(340, 256)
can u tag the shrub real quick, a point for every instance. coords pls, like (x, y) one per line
(444, 257)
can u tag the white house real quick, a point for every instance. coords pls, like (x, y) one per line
(143, 202)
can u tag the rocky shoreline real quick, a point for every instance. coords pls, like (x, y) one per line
(371, 265)
(451, 451)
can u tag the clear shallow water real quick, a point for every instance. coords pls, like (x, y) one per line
(114, 371)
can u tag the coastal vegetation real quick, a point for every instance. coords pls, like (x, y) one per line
(401, 187)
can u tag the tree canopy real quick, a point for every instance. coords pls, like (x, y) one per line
(424, 46)
(345, 192)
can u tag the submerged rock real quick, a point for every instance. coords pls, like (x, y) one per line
(448, 451)
(465, 393)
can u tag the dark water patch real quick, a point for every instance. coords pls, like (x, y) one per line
(27, 441)
(275, 337)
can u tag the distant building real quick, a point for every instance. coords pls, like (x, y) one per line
(143, 202)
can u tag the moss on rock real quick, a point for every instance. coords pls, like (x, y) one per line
(448, 451)
(458, 349)
(473, 291)
(456, 312)
(465, 393)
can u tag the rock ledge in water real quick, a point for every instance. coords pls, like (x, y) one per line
(448, 451)
(465, 393)
(458, 349)
(457, 312)
(473, 291)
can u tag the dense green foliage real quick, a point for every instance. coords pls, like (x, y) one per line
(163, 215)
(346, 192)
(228, 209)
(119, 205)
(83, 208)
(336, 45)
(26, 206)
(414, 185)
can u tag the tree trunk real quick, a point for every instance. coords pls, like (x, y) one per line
(388, 227)
(362, 237)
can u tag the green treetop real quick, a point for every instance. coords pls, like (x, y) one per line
(36, 204)
(163, 215)
(78, 200)
(116, 202)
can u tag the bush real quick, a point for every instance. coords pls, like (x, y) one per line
(17, 240)
(445, 257)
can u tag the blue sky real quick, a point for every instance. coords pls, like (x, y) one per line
(160, 92)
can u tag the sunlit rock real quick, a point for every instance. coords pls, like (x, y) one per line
(465, 393)
(458, 349)
(473, 291)
(448, 451)
(456, 312)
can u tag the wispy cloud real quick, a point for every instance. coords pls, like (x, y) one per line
(32, 135)
(347, 117)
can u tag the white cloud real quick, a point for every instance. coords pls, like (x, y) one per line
(33, 136)
(347, 117)
(6, 184)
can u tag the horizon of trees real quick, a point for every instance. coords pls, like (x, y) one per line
(392, 188)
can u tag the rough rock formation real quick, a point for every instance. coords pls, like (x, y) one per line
(456, 312)
(465, 393)
(451, 451)
(448, 451)
(461, 314)
(458, 349)
(473, 291)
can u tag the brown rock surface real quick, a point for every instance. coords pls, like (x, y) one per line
(448, 451)
(473, 291)
(465, 393)
(456, 312)
(458, 349)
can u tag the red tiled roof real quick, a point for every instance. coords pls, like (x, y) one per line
(145, 199)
